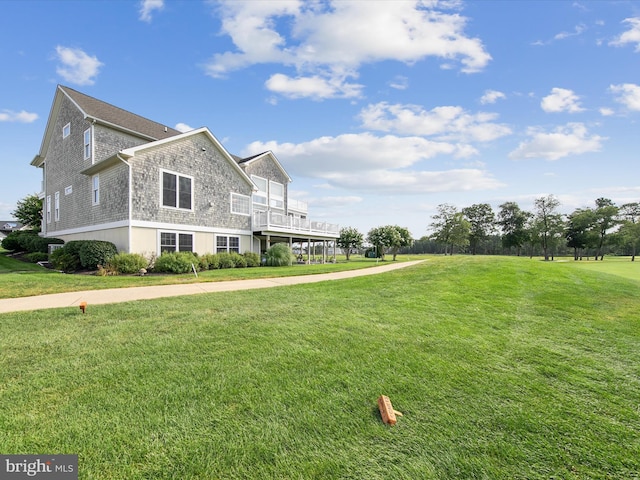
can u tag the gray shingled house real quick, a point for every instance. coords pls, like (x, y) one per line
(109, 174)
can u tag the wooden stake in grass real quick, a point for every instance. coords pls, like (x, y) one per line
(386, 410)
(83, 306)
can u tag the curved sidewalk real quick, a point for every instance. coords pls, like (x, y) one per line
(118, 295)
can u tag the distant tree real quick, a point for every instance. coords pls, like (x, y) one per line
(389, 238)
(350, 238)
(579, 230)
(482, 222)
(450, 228)
(513, 223)
(606, 213)
(29, 211)
(547, 222)
(629, 232)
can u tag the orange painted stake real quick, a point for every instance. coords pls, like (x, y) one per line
(83, 306)
(386, 410)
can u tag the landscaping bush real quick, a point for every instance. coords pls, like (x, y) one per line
(61, 259)
(238, 260)
(176, 262)
(36, 257)
(27, 241)
(127, 263)
(209, 261)
(279, 255)
(225, 260)
(252, 259)
(96, 252)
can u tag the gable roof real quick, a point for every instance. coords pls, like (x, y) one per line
(103, 113)
(117, 117)
(268, 153)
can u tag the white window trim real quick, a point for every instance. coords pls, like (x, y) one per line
(68, 190)
(56, 207)
(66, 130)
(48, 208)
(162, 205)
(94, 200)
(177, 233)
(85, 144)
(227, 237)
(276, 197)
(247, 199)
(260, 193)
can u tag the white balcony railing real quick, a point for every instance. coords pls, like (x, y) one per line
(297, 205)
(280, 222)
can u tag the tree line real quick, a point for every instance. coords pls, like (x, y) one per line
(590, 231)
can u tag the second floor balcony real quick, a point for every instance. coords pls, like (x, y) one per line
(270, 221)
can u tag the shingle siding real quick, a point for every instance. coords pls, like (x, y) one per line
(214, 178)
(109, 141)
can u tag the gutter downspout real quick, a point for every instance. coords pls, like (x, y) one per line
(130, 202)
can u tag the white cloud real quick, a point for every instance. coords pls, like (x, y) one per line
(183, 127)
(606, 112)
(572, 139)
(491, 96)
(407, 31)
(578, 29)
(628, 94)
(313, 87)
(147, 7)
(399, 83)
(76, 66)
(20, 117)
(446, 123)
(630, 36)
(367, 163)
(561, 100)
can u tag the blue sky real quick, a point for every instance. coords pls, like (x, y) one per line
(379, 110)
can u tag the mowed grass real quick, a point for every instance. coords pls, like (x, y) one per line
(21, 279)
(503, 367)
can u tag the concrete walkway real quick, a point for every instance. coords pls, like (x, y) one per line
(117, 295)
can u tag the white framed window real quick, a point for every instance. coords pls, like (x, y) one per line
(87, 143)
(276, 195)
(95, 190)
(176, 190)
(66, 130)
(68, 190)
(176, 242)
(260, 197)
(240, 204)
(56, 206)
(227, 244)
(48, 211)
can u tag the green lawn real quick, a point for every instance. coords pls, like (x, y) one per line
(504, 368)
(20, 279)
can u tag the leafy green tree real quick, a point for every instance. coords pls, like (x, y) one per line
(389, 238)
(547, 222)
(29, 211)
(513, 223)
(350, 238)
(629, 232)
(606, 213)
(579, 230)
(450, 228)
(482, 222)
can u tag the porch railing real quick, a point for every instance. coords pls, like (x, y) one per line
(284, 223)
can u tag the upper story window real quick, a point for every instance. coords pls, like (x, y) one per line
(56, 206)
(260, 197)
(66, 130)
(87, 143)
(276, 195)
(48, 211)
(177, 191)
(95, 190)
(240, 204)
